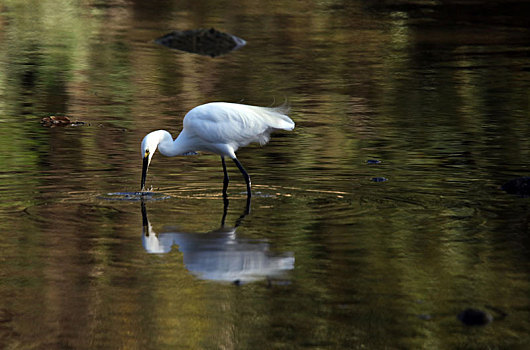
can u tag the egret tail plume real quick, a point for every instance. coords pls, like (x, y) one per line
(282, 121)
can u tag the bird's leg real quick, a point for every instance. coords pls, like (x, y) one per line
(245, 213)
(245, 175)
(225, 210)
(226, 179)
(145, 221)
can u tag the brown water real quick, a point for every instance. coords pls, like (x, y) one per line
(438, 92)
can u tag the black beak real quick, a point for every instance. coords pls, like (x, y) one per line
(144, 171)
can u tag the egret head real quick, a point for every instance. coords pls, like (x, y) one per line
(149, 146)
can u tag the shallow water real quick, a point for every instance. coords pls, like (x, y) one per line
(431, 96)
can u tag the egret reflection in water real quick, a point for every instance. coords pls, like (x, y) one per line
(219, 255)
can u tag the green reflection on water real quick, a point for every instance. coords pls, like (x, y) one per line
(446, 114)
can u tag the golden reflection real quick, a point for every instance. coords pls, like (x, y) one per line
(444, 106)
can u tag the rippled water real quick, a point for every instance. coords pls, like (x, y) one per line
(430, 96)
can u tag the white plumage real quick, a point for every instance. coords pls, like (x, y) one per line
(221, 128)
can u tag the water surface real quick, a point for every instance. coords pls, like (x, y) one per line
(436, 92)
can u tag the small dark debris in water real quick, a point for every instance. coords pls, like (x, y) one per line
(519, 186)
(373, 161)
(474, 317)
(59, 120)
(207, 42)
(379, 179)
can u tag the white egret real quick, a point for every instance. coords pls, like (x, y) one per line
(220, 128)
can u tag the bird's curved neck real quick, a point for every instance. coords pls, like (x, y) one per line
(170, 147)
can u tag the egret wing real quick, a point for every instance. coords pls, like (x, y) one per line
(234, 124)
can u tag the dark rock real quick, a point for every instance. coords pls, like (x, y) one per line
(519, 186)
(474, 317)
(373, 161)
(208, 42)
(379, 179)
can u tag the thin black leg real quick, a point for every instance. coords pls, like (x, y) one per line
(225, 210)
(245, 175)
(241, 217)
(226, 179)
(145, 221)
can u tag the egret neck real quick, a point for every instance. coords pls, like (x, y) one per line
(162, 140)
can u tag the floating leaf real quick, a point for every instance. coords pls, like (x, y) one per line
(59, 120)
